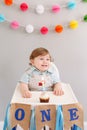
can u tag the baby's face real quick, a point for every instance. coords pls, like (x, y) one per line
(41, 62)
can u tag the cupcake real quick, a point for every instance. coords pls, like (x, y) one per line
(44, 97)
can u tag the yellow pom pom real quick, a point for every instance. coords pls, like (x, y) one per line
(73, 24)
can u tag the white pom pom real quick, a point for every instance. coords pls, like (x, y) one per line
(40, 9)
(29, 28)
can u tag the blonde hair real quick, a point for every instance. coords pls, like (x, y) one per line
(39, 51)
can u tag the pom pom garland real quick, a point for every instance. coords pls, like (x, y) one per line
(55, 8)
(14, 25)
(24, 6)
(2, 18)
(73, 24)
(29, 28)
(44, 30)
(40, 9)
(59, 28)
(8, 2)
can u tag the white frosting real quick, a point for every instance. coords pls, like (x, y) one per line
(44, 95)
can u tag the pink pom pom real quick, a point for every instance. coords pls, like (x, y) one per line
(44, 30)
(55, 8)
(14, 24)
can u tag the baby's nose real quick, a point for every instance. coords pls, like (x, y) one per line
(45, 61)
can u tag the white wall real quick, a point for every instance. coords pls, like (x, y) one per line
(68, 48)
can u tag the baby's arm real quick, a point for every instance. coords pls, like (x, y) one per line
(24, 90)
(57, 83)
(58, 89)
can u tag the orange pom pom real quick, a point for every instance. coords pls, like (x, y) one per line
(8, 2)
(59, 28)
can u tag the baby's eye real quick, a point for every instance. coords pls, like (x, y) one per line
(48, 59)
(41, 58)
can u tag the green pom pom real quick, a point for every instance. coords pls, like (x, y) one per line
(85, 0)
(85, 18)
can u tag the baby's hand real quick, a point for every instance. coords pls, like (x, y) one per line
(58, 90)
(27, 94)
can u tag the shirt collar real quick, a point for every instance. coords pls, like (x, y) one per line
(32, 68)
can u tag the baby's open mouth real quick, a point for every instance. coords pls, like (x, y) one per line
(44, 65)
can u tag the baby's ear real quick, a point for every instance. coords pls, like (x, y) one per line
(31, 61)
(52, 59)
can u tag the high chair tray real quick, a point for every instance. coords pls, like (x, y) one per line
(67, 98)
